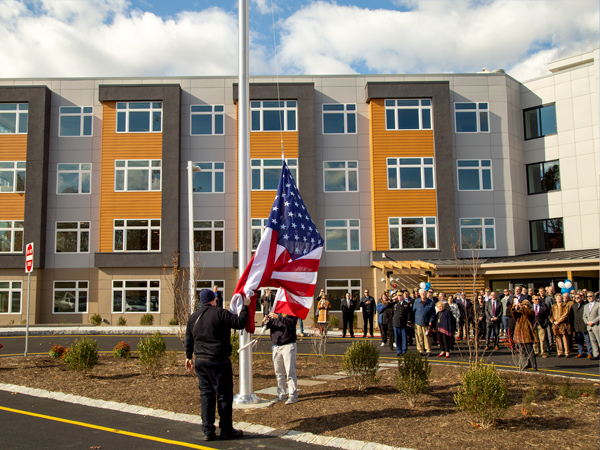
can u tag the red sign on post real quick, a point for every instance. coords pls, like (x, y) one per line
(29, 258)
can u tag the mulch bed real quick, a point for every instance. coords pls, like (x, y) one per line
(545, 411)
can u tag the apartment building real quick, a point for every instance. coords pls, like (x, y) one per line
(409, 178)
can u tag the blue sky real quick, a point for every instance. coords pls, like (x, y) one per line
(90, 38)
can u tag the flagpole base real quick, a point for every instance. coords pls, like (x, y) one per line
(245, 399)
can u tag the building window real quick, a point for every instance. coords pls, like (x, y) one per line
(13, 118)
(342, 235)
(75, 121)
(70, 296)
(410, 173)
(258, 227)
(139, 117)
(10, 297)
(474, 174)
(210, 284)
(210, 177)
(543, 177)
(478, 234)
(540, 121)
(412, 233)
(207, 119)
(136, 296)
(339, 118)
(336, 290)
(72, 237)
(340, 176)
(472, 117)
(138, 175)
(74, 178)
(274, 115)
(12, 176)
(266, 173)
(209, 235)
(546, 234)
(137, 235)
(11, 236)
(408, 114)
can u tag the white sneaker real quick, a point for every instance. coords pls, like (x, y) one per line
(291, 400)
(394, 345)
(277, 400)
(382, 344)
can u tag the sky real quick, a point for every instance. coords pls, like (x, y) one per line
(135, 38)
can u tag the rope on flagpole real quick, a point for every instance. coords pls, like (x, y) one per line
(277, 81)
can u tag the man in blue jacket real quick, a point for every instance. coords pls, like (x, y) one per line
(424, 312)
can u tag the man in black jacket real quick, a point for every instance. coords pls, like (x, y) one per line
(402, 317)
(348, 307)
(208, 337)
(539, 326)
(283, 335)
(367, 303)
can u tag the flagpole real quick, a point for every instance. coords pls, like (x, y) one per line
(246, 394)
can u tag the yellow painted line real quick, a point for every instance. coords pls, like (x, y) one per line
(109, 430)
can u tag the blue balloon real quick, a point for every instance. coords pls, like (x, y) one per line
(565, 291)
(427, 286)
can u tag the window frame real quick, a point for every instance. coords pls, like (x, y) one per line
(79, 288)
(214, 171)
(285, 106)
(424, 227)
(346, 170)
(215, 112)
(483, 227)
(348, 113)
(547, 247)
(292, 164)
(80, 230)
(214, 228)
(397, 167)
(349, 227)
(397, 107)
(125, 169)
(19, 176)
(542, 165)
(12, 289)
(21, 112)
(480, 168)
(85, 114)
(350, 287)
(80, 171)
(13, 231)
(478, 110)
(152, 109)
(123, 290)
(125, 228)
(539, 122)
(254, 226)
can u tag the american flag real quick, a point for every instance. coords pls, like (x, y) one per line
(287, 257)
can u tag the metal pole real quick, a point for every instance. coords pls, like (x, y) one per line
(192, 288)
(27, 319)
(245, 394)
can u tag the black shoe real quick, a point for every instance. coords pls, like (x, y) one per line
(232, 434)
(210, 436)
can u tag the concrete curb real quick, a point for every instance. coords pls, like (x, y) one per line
(300, 436)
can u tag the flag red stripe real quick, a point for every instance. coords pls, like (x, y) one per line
(300, 265)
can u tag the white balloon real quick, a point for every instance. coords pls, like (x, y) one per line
(568, 285)
(561, 284)
(422, 285)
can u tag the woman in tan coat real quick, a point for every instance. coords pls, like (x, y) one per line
(561, 326)
(323, 306)
(524, 336)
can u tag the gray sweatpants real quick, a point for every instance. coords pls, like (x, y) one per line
(284, 361)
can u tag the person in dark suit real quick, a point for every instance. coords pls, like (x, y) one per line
(540, 323)
(219, 296)
(267, 301)
(514, 300)
(348, 307)
(367, 304)
(493, 314)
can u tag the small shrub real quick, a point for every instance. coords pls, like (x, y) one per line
(11, 322)
(56, 351)
(319, 345)
(122, 350)
(152, 353)
(82, 356)
(174, 321)
(334, 322)
(147, 319)
(483, 395)
(172, 358)
(413, 376)
(95, 319)
(360, 362)
(121, 322)
(234, 339)
(567, 390)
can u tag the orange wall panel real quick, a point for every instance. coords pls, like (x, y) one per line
(12, 206)
(13, 147)
(396, 203)
(124, 205)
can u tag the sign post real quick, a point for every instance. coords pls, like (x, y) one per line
(28, 270)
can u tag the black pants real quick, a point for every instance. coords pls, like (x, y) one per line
(367, 318)
(445, 342)
(383, 328)
(495, 326)
(215, 381)
(348, 324)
